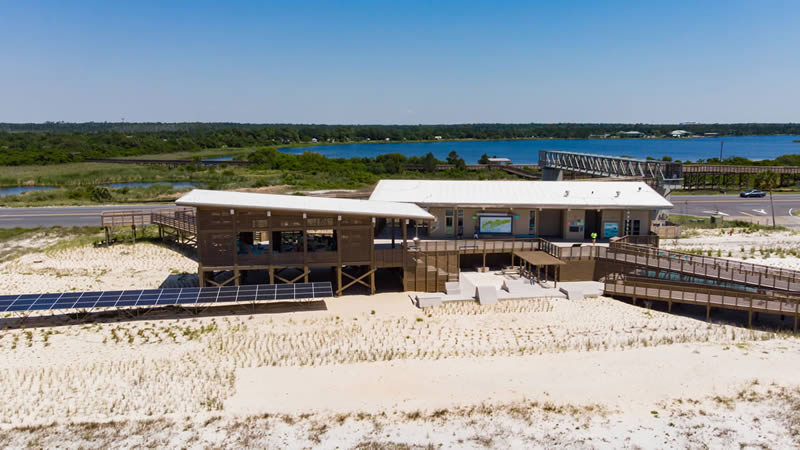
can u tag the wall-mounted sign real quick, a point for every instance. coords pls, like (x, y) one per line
(610, 229)
(495, 224)
(575, 226)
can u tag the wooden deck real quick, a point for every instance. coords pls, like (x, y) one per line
(704, 267)
(708, 297)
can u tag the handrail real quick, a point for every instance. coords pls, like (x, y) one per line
(743, 299)
(708, 261)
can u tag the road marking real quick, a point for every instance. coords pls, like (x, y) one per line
(719, 213)
(675, 200)
(746, 213)
(760, 211)
(52, 214)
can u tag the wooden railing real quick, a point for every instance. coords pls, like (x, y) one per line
(706, 266)
(478, 246)
(708, 296)
(651, 239)
(180, 219)
(392, 257)
(125, 218)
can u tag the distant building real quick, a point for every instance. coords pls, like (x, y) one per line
(680, 133)
(710, 134)
(313, 139)
(387, 139)
(499, 161)
(438, 138)
(631, 134)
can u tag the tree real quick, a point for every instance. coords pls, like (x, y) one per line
(429, 163)
(484, 159)
(452, 157)
(768, 180)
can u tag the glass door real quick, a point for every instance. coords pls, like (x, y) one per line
(448, 222)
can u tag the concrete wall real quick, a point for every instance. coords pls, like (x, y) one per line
(549, 222)
(520, 225)
(575, 215)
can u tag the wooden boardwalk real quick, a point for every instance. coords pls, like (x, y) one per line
(180, 224)
(707, 267)
(710, 297)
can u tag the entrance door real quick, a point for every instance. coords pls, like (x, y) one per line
(592, 224)
(550, 223)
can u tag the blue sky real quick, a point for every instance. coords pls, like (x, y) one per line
(400, 62)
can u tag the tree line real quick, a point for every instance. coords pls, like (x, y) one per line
(57, 142)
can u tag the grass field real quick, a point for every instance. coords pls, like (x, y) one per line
(79, 182)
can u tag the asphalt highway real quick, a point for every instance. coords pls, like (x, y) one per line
(65, 216)
(733, 205)
(690, 205)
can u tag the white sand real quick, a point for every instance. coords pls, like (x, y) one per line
(778, 249)
(139, 266)
(596, 373)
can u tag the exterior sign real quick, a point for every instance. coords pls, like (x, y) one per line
(495, 224)
(610, 229)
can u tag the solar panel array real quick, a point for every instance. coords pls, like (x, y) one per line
(165, 297)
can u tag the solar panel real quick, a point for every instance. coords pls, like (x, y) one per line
(164, 297)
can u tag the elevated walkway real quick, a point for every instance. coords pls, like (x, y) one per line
(179, 224)
(674, 292)
(729, 271)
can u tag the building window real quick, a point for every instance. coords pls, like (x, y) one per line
(448, 222)
(632, 227)
(532, 222)
(460, 223)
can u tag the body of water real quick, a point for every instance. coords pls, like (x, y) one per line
(221, 158)
(524, 152)
(16, 190)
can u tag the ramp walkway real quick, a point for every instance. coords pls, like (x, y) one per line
(708, 267)
(687, 293)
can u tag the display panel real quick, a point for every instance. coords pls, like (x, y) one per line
(495, 224)
(610, 229)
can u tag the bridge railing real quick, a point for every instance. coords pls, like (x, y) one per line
(710, 296)
(706, 266)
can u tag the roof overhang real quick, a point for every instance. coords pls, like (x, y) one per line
(199, 198)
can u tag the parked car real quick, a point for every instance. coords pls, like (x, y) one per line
(752, 193)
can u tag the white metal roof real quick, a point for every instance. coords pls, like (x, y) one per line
(301, 203)
(534, 194)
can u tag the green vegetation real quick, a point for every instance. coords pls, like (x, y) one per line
(81, 183)
(55, 143)
(785, 160)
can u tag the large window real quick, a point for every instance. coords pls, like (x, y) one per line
(321, 241)
(633, 227)
(287, 241)
(460, 223)
(532, 222)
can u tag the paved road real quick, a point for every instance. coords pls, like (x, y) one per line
(733, 205)
(692, 205)
(65, 216)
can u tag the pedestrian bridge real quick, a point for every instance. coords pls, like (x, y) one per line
(662, 173)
